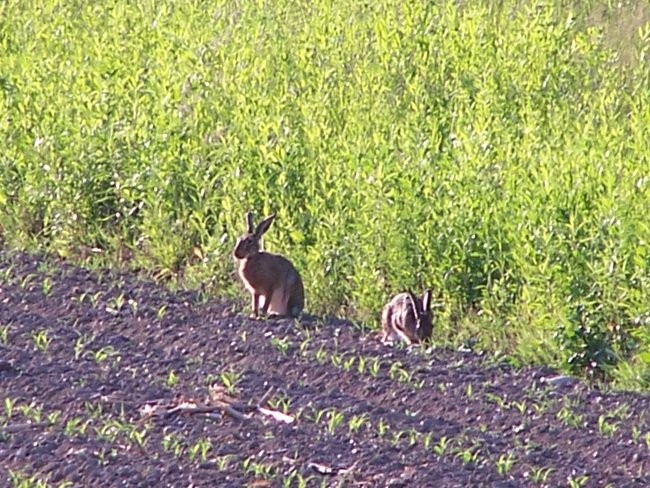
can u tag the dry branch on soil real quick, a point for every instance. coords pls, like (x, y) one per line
(219, 401)
(14, 428)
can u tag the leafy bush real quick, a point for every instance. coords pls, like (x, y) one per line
(497, 151)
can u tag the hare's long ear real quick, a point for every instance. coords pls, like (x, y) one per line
(249, 221)
(264, 225)
(426, 301)
(414, 303)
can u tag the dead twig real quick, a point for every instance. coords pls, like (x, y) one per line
(279, 416)
(265, 398)
(220, 402)
(13, 428)
(275, 414)
(331, 471)
(198, 409)
(322, 469)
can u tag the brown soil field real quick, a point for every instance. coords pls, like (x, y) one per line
(109, 380)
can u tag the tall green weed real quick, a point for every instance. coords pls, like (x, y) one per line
(495, 151)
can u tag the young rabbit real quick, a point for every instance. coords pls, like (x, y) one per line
(274, 283)
(408, 318)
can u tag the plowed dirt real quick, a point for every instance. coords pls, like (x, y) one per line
(92, 365)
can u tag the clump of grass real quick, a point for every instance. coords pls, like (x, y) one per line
(495, 151)
(41, 340)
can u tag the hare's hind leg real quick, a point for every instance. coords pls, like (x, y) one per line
(295, 306)
(386, 329)
(404, 336)
(277, 303)
(295, 295)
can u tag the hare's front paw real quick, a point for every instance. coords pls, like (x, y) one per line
(387, 339)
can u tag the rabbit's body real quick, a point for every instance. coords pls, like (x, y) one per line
(408, 318)
(272, 280)
(275, 280)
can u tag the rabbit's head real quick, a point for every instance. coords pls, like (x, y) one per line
(422, 313)
(249, 243)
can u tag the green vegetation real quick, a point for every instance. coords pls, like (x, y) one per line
(497, 151)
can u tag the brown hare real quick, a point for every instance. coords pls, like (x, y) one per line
(274, 283)
(408, 318)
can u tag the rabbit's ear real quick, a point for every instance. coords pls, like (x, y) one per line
(264, 225)
(249, 221)
(414, 303)
(426, 301)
